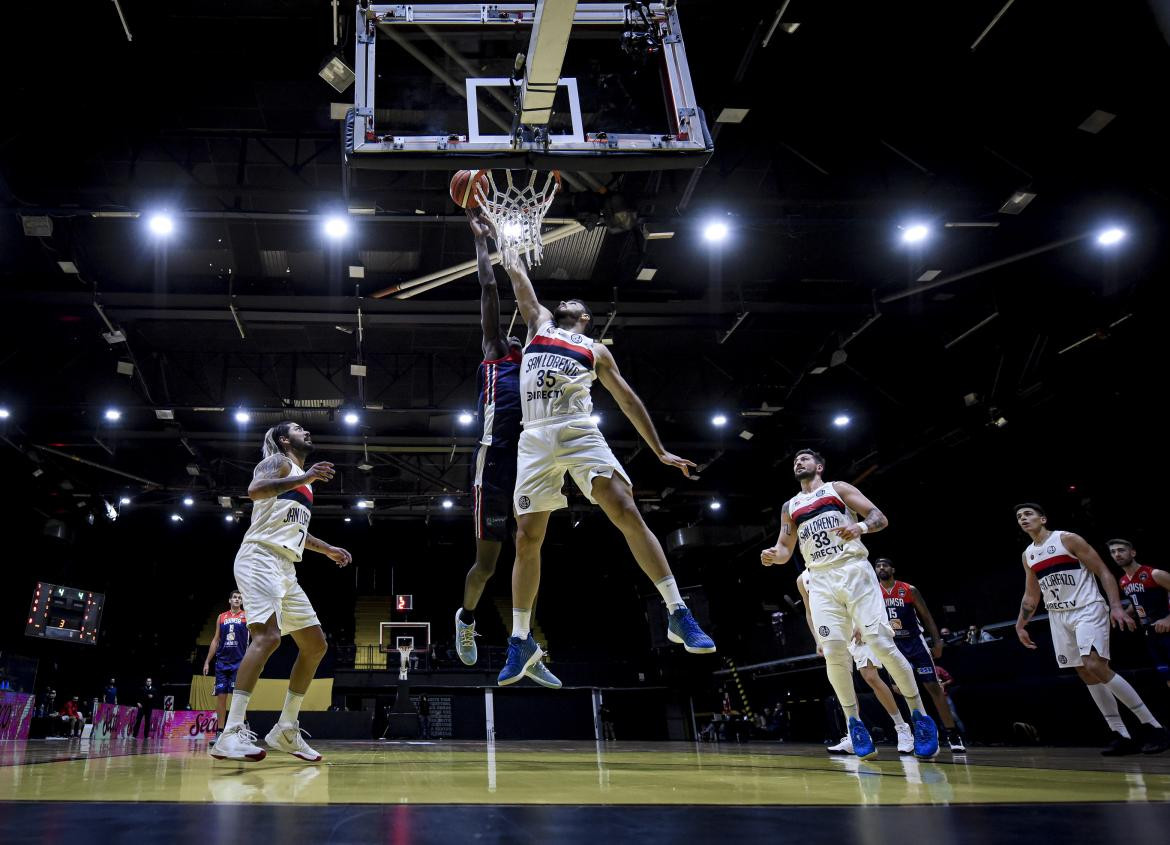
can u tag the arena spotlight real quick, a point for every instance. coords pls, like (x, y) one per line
(841, 420)
(336, 227)
(365, 504)
(915, 233)
(4, 414)
(465, 418)
(715, 231)
(719, 420)
(125, 500)
(113, 414)
(448, 504)
(511, 230)
(188, 501)
(243, 417)
(1111, 236)
(176, 518)
(715, 505)
(228, 518)
(350, 418)
(161, 224)
(347, 519)
(595, 419)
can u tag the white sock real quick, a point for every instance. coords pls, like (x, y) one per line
(1107, 704)
(1128, 696)
(520, 622)
(238, 708)
(668, 587)
(292, 707)
(898, 720)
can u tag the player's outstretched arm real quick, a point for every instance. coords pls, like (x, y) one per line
(213, 648)
(927, 620)
(635, 411)
(495, 345)
(874, 519)
(785, 543)
(1032, 598)
(277, 474)
(1087, 555)
(535, 315)
(335, 553)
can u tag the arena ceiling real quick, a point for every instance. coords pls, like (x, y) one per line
(862, 119)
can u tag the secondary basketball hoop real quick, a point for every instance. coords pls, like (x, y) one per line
(404, 651)
(517, 210)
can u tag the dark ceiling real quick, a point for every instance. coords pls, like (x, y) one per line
(864, 118)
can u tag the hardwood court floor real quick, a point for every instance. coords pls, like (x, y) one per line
(568, 791)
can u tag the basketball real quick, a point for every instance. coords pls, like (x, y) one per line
(463, 187)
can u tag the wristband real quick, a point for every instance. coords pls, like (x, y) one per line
(863, 527)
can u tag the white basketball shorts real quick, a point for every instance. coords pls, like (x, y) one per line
(268, 581)
(1077, 632)
(844, 597)
(547, 452)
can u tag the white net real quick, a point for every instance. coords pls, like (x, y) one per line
(517, 211)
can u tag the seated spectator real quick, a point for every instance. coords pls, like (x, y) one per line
(975, 635)
(72, 717)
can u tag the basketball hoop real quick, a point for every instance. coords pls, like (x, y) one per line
(518, 210)
(404, 661)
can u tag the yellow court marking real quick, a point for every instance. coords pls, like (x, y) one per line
(566, 773)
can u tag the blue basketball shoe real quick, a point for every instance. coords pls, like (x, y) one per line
(521, 655)
(925, 735)
(863, 745)
(682, 628)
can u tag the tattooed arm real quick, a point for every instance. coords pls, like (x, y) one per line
(335, 553)
(1088, 556)
(874, 520)
(1032, 598)
(277, 474)
(785, 544)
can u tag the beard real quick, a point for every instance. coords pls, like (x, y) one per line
(805, 474)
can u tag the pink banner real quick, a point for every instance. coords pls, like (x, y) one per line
(189, 724)
(16, 709)
(115, 720)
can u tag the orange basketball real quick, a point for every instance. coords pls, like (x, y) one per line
(463, 187)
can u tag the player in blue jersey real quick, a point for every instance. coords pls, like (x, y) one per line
(227, 650)
(909, 615)
(494, 462)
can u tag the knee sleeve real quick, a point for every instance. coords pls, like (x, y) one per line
(839, 668)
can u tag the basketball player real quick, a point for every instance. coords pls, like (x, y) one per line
(559, 367)
(1149, 591)
(227, 650)
(906, 607)
(1058, 570)
(869, 668)
(844, 592)
(494, 464)
(282, 493)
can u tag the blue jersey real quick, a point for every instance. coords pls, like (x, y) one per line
(498, 389)
(233, 639)
(900, 608)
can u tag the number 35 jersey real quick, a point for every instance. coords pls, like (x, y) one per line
(282, 522)
(556, 376)
(818, 515)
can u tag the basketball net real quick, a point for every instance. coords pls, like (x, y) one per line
(518, 211)
(404, 660)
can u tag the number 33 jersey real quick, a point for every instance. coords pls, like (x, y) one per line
(818, 514)
(282, 522)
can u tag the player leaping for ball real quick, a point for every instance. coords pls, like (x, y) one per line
(560, 365)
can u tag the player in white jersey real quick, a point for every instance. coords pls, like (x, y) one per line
(1059, 570)
(868, 666)
(560, 365)
(844, 594)
(282, 496)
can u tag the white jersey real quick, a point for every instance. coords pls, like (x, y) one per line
(817, 515)
(1066, 584)
(556, 376)
(282, 522)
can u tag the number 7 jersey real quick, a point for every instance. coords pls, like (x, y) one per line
(818, 514)
(282, 522)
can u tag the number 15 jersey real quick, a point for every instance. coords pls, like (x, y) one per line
(818, 515)
(282, 522)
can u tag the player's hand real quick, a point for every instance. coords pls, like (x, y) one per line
(820, 650)
(936, 650)
(204, 668)
(770, 557)
(1025, 640)
(1118, 618)
(1162, 626)
(675, 461)
(321, 471)
(849, 532)
(481, 227)
(857, 636)
(511, 261)
(339, 556)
